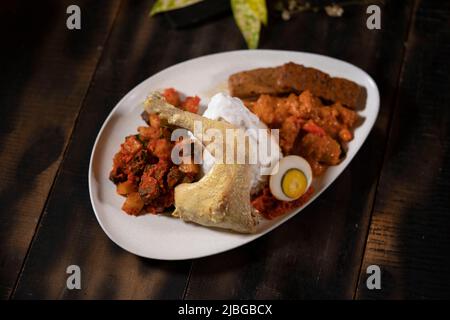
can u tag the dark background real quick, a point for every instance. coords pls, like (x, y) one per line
(390, 207)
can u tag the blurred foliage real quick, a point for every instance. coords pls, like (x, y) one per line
(251, 14)
(248, 14)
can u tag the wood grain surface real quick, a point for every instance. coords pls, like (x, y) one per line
(137, 48)
(409, 236)
(318, 253)
(389, 207)
(46, 72)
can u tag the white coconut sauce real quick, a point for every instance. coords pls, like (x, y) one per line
(232, 110)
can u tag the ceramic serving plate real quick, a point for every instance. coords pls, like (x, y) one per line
(166, 238)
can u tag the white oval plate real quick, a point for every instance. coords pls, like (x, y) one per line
(166, 238)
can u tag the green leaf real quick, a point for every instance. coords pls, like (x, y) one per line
(248, 22)
(260, 9)
(167, 5)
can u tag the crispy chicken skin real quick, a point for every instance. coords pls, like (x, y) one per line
(222, 197)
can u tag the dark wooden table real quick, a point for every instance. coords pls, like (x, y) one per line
(390, 207)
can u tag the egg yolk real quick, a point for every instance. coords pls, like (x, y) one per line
(294, 183)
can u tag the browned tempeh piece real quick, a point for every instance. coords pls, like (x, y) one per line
(292, 77)
(295, 77)
(251, 83)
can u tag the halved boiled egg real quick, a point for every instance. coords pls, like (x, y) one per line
(291, 178)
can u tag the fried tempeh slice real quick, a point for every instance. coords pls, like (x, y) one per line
(252, 83)
(292, 77)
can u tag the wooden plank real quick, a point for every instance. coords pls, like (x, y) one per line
(46, 70)
(409, 235)
(318, 253)
(69, 232)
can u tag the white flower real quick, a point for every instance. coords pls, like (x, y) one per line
(334, 10)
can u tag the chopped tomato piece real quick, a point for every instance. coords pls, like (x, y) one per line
(161, 148)
(313, 128)
(191, 104)
(172, 96)
(148, 133)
